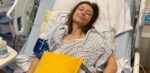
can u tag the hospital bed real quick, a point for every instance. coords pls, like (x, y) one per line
(20, 13)
(122, 51)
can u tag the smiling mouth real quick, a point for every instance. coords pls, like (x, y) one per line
(82, 18)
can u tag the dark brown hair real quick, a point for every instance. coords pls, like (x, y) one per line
(89, 25)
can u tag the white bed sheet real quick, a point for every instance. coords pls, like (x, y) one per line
(123, 52)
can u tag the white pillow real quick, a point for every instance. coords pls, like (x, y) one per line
(114, 14)
(65, 5)
(47, 15)
(58, 18)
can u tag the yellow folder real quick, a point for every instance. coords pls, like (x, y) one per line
(58, 63)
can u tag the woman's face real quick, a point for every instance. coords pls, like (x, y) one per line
(83, 14)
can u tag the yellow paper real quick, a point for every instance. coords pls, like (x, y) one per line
(58, 63)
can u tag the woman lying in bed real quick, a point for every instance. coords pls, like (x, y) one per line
(78, 38)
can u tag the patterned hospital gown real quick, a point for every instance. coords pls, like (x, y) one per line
(93, 47)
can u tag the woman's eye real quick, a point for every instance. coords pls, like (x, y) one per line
(81, 9)
(88, 14)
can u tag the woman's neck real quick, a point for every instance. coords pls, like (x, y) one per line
(76, 29)
(76, 33)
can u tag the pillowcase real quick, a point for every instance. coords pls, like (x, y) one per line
(58, 18)
(47, 15)
(58, 63)
(114, 14)
(64, 5)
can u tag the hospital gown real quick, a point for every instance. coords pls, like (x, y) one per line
(93, 47)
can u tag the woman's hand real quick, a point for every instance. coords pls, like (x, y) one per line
(33, 65)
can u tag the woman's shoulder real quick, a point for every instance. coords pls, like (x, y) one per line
(94, 33)
(62, 27)
(94, 36)
(61, 30)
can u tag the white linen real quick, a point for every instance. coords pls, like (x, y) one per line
(114, 14)
(58, 18)
(123, 52)
(21, 63)
(123, 65)
(66, 5)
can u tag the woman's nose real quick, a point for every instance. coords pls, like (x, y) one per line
(83, 13)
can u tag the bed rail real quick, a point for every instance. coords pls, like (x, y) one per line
(138, 33)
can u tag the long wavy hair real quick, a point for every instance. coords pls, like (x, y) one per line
(87, 26)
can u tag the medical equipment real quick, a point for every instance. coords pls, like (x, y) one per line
(21, 13)
(11, 56)
(3, 49)
(40, 47)
(138, 32)
(147, 18)
(125, 56)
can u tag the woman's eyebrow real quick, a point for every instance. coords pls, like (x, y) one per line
(81, 7)
(89, 11)
(84, 8)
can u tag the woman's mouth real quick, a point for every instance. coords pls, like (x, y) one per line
(82, 17)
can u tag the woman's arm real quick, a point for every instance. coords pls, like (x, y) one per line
(33, 65)
(111, 65)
